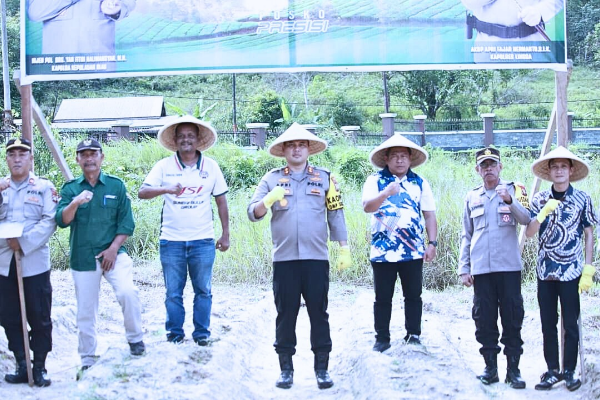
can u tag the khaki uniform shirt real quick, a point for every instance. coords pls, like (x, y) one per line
(299, 222)
(489, 241)
(33, 203)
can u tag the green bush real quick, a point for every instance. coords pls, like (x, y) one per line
(451, 175)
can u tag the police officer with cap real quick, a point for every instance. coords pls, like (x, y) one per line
(31, 201)
(490, 261)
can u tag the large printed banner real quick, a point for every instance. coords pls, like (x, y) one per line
(82, 39)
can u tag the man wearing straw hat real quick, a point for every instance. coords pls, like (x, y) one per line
(305, 204)
(565, 219)
(97, 209)
(29, 200)
(490, 261)
(187, 180)
(403, 209)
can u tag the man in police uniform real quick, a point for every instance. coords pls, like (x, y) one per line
(510, 20)
(187, 181)
(30, 200)
(97, 208)
(490, 261)
(300, 196)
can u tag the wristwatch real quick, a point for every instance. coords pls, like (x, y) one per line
(433, 242)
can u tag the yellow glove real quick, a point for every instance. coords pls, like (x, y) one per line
(344, 258)
(547, 209)
(274, 195)
(585, 282)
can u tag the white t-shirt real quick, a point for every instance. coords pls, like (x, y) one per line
(188, 216)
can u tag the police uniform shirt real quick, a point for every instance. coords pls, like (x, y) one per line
(489, 241)
(299, 222)
(188, 216)
(34, 203)
(560, 255)
(397, 228)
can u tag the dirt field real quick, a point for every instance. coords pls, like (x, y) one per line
(240, 362)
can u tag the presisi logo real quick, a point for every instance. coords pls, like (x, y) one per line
(304, 26)
(190, 190)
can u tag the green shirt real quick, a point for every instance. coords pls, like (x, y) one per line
(97, 222)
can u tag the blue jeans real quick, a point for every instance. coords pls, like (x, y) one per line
(176, 258)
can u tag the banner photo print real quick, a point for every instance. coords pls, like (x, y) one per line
(81, 39)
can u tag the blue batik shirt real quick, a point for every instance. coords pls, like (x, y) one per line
(398, 228)
(560, 255)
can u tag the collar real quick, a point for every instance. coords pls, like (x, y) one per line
(567, 193)
(309, 170)
(182, 166)
(482, 190)
(101, 179)
(385, 173)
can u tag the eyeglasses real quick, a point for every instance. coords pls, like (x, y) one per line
(490, 164)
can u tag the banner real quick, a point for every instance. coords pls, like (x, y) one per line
(83, 39)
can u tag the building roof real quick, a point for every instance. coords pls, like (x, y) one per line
(97, 110)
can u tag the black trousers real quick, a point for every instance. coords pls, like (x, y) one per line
(384, 282)
(291, 281)
(493, 292)
(549, 292)
(38, 303)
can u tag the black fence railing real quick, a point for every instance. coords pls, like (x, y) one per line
(455, 125)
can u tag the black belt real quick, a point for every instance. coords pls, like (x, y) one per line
(505, 32)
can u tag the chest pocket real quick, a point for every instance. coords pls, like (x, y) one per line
(33, 207)
(505, 217)
(315, 197)
(284, 204)
(477, 214)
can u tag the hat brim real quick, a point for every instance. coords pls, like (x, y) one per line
(417, 157)
(316, 145)
(541, 169)
(207, 135)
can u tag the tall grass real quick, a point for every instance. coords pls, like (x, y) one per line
(451, 174)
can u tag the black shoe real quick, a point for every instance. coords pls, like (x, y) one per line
(286, 379)
(81, 371)
(20, 375)
(40, 377)
(513, 375)
(571, 382)
(514, 380)
(381, 346)
(177, 339)
(137, 349)
(201, 341)
(412, 339)
(490, 373)
(548, 379)
(323, 379)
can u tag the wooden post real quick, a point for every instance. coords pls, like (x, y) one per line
(562, 81)
(44, 128)
(552, 124)
(26, 127)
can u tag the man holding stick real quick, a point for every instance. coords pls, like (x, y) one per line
(29, 201)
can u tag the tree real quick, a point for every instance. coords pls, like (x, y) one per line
(582, 16)
(430, 91)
